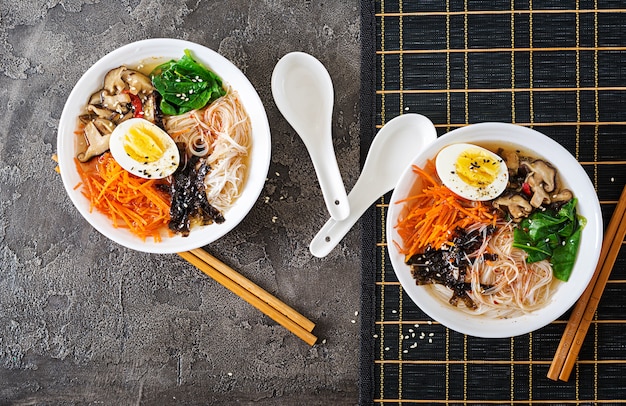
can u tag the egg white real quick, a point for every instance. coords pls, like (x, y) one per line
(446, 169)
(161, 168)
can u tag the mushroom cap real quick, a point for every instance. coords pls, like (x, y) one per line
(113, 82)
(117, 102)
(516, 205)
(138, 83)
(543, 173)
(98, 143)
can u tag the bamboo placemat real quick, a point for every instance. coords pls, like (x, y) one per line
(556, 66)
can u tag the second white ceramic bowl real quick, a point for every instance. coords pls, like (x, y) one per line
(572, 175)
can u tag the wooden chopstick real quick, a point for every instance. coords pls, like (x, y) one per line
(252, 293)
(288, 311)
(587, 304)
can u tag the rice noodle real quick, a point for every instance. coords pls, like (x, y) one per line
(515, 287)
(221, 133)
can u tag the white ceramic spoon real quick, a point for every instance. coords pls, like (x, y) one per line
(303, 92)
(392, 150)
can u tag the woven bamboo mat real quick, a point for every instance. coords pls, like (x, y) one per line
(557, 66)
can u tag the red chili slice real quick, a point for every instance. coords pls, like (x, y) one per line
(137, 105)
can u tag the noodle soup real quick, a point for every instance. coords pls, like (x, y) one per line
(191, 176)
(210, 152)
(469, 252)
(488, 259)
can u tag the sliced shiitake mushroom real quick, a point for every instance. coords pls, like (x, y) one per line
(544, 174)
(103, 112)
(138, 83)
(116, 102)
(113, 82)
(97, 143)
(104, 126)
(516, 205)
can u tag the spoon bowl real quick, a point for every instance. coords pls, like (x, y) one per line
(303, 92)
(392, 150)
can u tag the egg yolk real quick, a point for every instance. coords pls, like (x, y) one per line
(477, 168)
(143, 145)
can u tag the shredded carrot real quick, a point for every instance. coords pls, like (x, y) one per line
(434, 213)
(129, 201)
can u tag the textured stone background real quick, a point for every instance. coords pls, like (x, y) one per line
(86, 321)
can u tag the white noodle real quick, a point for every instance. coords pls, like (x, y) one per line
(220, 132)
(515, 287)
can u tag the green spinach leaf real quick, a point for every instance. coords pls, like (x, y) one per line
(185, 85)
(564, 256)
(552, 235)
(537, 250)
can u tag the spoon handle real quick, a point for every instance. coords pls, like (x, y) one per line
(334, 230)
(331, 183)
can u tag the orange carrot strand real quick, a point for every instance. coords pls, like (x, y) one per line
(129, 201)
(434, 213)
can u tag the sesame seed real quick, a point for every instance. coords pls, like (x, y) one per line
(386, 348)
(405, 351)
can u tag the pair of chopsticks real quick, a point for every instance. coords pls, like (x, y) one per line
(252, 293)
(585, 308)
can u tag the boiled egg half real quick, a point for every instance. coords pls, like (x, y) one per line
(144, 149)
(472, 172)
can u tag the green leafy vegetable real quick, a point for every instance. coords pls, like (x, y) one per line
(185, 85)
(552, 235)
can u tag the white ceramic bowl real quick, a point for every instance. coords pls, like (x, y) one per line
(574, 177)
(133, 54)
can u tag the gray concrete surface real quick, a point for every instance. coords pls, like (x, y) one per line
(86, 321)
